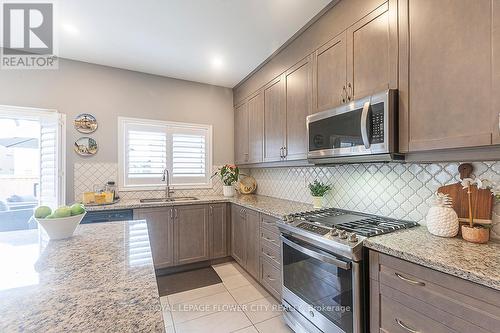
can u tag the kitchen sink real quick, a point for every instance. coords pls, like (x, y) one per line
(173, 199)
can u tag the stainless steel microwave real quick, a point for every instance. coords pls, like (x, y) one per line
(365, 130)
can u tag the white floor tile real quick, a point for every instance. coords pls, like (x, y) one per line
(250, 329)
(167, 317)
(236, 281)
(169, 329)
(249, 293)
(262, 309)
(193, 309)
(274, 325)
(196, 293)
(228, 269)
(220, 322)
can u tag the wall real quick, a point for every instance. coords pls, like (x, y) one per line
(403, 191)
(107, 93)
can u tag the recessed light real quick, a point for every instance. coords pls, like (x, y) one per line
(217, 62)
(70, 29)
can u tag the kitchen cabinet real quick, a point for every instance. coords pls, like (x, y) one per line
(241, 155)
(446, 96)
(161, 234)
(330, 74)
(191, 229)
(496, 71)
(405, 297)
(270, 255)
(256, 127)
(274, 120)
(217, 219)
(238, 235)
(298, 92)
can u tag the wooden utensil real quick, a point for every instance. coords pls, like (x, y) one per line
(482, 199)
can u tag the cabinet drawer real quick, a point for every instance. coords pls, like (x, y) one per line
(269, 223)
(429, 289)
(272, 254)
(396, 318)
(270, 277)
(269, 238)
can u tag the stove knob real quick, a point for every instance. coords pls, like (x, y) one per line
(334, 232)
(343, 234)
(353, 238)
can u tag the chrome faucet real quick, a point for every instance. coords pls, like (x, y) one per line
(166, 177)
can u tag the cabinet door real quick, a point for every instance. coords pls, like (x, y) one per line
(238, 236)
(274, 120)
(253, 245)
(160, 232)
(330, 74)
(241, 134)
(191, 234)
(372, 56)
(218, 230)
(255, 128)
(496, 71)
(298, 92)
(447, 86)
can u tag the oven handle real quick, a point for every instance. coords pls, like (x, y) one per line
(364, 125)
(310, 251)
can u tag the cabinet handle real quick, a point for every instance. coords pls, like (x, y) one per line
(270, 278)
(285, 152)
(417, 283)
(349, 92)
(175, 212)
(269, 256)
(171, 213)
(344, 92)
(269, 239)
(406, 327)
(211, 210)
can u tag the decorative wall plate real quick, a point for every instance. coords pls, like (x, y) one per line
(85, 146)
(85, 123)
(248, 185)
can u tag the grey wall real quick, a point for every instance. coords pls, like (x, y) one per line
(107, 93)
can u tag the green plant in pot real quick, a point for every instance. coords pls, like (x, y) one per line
(318, 191)
(229, 174)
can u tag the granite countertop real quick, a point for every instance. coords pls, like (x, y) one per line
(479, 263)
(100, 280)
(267, 205)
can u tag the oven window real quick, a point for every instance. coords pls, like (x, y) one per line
(325, 287)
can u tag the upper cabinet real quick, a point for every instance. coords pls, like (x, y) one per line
(256, 127)
(241, 155)
(298, 99)
(274, 120)
(446, 95)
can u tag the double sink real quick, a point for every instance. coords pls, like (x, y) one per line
(173, 199)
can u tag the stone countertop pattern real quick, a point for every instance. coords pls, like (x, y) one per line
(479, 263)
(267, 205)
(100, 280)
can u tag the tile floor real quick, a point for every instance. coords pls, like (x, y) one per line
(238, 304)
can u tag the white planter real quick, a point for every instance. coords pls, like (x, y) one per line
(60, 228)
(318, 202)
(228, 191)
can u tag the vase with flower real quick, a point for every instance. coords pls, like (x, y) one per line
(229, 175)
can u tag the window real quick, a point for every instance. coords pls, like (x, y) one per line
(148, 147)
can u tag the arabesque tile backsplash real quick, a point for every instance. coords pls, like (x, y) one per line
(399, 190)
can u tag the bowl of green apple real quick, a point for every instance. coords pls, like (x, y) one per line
(62, 222)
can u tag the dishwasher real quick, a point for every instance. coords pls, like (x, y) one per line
(101, 216)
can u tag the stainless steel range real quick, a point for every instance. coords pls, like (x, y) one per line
(324, 270)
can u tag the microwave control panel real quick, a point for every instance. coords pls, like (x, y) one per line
(377, 123)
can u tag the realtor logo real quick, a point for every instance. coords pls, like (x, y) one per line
(28, 36)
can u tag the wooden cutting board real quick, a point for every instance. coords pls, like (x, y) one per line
(482, 200)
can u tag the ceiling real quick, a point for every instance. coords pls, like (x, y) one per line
(211, 41)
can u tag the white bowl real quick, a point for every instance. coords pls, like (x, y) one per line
(60, 228)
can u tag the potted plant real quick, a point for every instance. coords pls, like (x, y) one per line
(473, 232)
(318, 190)
(229, 174)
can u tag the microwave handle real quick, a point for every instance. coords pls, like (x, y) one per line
(364, 125)
(317, 255)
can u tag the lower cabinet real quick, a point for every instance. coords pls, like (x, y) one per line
(245, 238)
(187, 234)
(238, 235)
(405, 297)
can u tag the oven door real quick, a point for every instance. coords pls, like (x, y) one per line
(362, 127)
(320, 287)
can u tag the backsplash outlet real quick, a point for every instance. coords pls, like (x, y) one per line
(397, 190)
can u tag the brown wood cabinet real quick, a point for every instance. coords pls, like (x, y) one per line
(241, 154)
(405, 297)
(191, 230)
(496, 71)
(256, 127)
(238, 235)
(298, 98)
(274, 120)
(445, 77)
(218, 226)
(161, 234)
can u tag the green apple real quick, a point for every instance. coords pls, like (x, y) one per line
(51, 216)
(63, 211)
(77, 209)
(42, 212)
